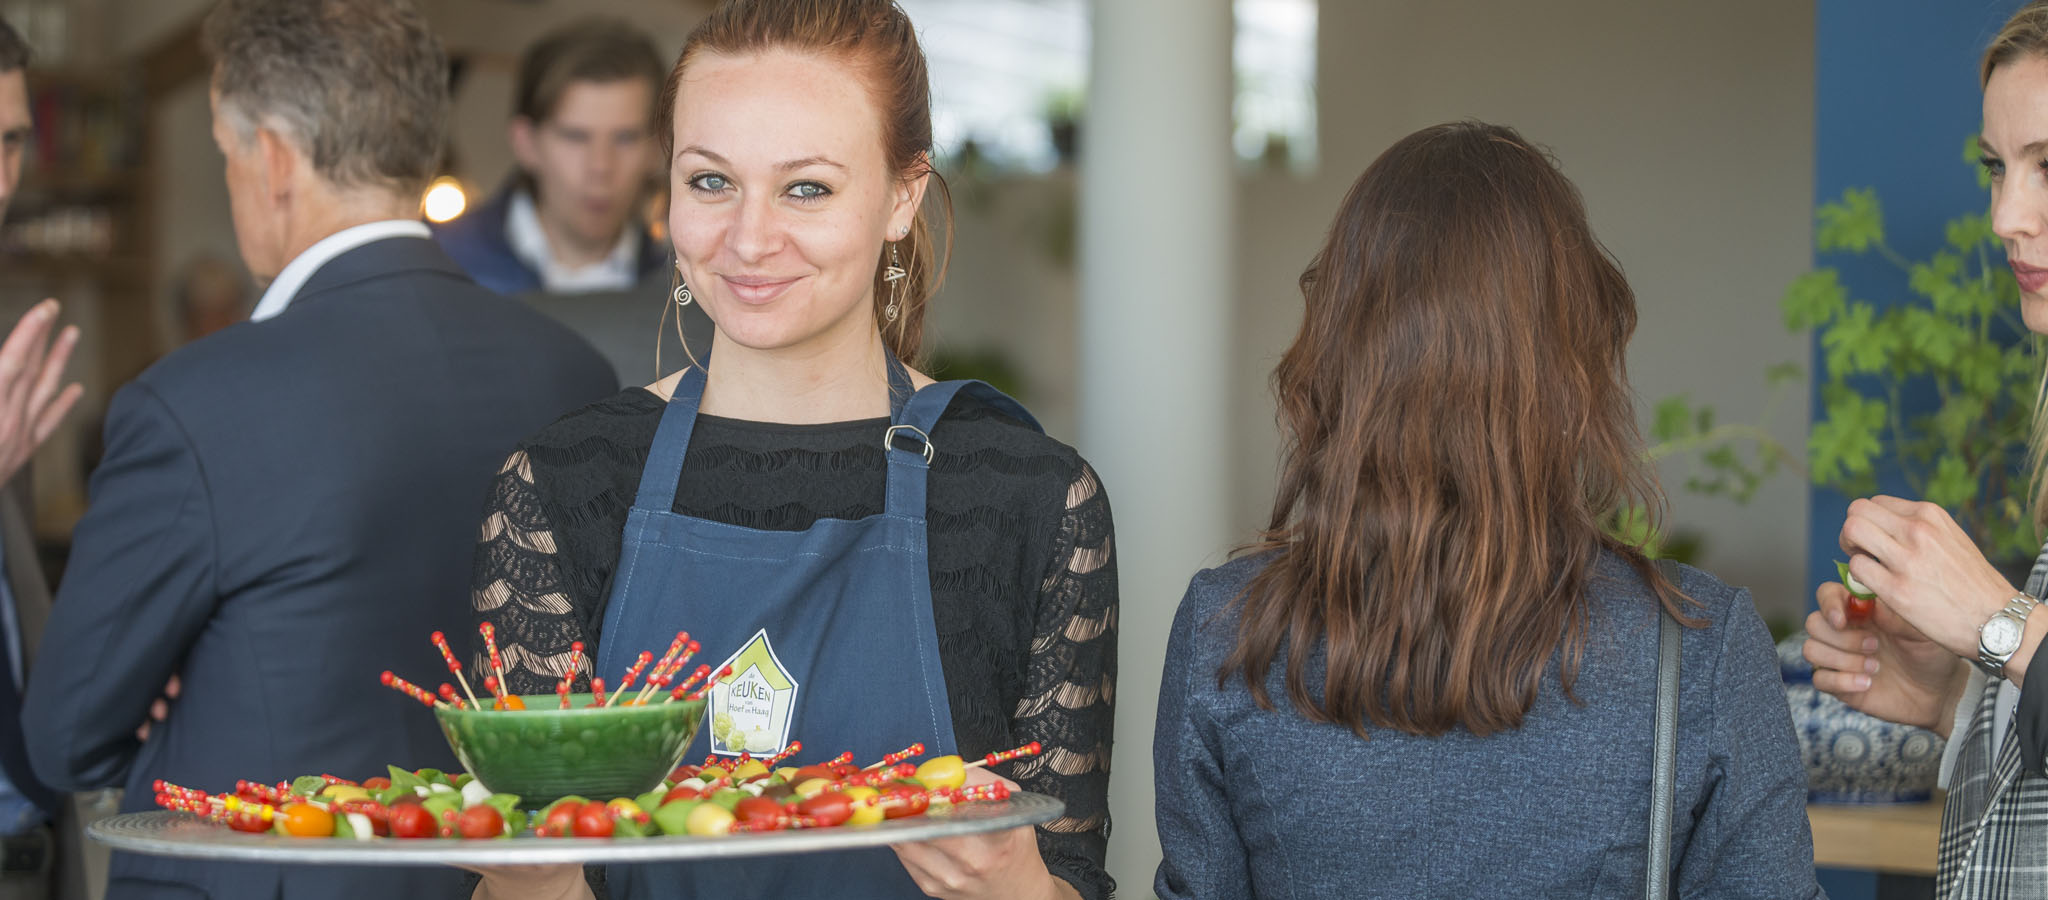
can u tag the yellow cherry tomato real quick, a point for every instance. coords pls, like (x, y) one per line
(627, 808)
(341, 792)
(812, 787)
(784, 772)
(942, 773)
(863, 814)
(712, 773)
(749, 769)
(511, 702)
(708, 819)
(307, 820)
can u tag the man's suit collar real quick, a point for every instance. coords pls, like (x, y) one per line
(375, 260)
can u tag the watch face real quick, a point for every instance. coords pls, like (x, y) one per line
(2001, 635)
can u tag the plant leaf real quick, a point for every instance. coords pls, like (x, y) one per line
(1813, 299)
(1852, 223)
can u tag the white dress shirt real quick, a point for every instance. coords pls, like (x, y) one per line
(288, 282)
(618, 271)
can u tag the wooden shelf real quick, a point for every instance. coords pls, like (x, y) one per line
(1901, 839)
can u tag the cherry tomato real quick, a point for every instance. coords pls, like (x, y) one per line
(758, 811)
(1859, 609)
(248, 822)
(510, 701)
(480, 821)
(683, 772)
(862, 813)
(593, 819)
(947, 772)
(376, 784)
(906, 801)
(829, 808)
(307, 820)
(809, 772)
(560, 819)
(681, 793)
(411, 820)
(708, 819)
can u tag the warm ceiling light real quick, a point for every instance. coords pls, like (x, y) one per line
(444, 200)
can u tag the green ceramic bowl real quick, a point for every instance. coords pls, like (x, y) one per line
(544, 753)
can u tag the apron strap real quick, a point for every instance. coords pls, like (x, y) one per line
(908, 441)
(664, 469)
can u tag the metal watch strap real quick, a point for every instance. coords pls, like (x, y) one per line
(2016, 609)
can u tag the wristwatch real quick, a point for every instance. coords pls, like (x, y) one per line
(1999, 637)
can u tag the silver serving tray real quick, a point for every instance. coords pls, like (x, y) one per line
(165, 833)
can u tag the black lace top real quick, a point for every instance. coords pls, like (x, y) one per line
(1023, 570)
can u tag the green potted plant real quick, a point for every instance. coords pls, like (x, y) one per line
(1938, 386)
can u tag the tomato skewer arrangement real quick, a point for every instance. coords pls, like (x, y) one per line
(748, 797)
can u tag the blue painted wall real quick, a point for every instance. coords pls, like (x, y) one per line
(1895, 93)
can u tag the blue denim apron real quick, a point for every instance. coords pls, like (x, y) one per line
(832, 627)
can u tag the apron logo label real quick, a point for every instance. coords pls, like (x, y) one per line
(751, 711)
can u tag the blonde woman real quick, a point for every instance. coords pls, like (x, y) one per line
(1952, 639)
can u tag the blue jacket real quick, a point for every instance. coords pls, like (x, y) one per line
(1263, 803)
(286, 509)
(476, 241)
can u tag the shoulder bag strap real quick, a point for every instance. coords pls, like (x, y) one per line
(1664, 778)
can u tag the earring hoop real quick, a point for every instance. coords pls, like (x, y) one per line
(682, 294)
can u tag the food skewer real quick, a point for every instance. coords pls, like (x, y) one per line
(793, 749)
(1031, 749)
(897, 757)
(596, 691)
(665, 669)
(491, 645)
(448, 694)
(409, 689)
(569, 677)
(722, 675)
(639, 665)
(683, 690)
(441, 644)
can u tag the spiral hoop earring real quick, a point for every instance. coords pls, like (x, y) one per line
(894, 275)
(682, 294)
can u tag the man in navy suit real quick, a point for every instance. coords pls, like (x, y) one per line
(288, 507)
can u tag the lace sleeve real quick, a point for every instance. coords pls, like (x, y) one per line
(1070, 695)
(519, 588)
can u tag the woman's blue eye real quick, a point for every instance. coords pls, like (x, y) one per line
(1993, 166)
(709, 183)
(808, 190)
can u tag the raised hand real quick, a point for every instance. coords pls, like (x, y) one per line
(1882, 666)
(31, 372)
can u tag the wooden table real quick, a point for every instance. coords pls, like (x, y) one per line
(1900, 839)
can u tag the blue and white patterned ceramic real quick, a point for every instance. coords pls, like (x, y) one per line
(1851, 757)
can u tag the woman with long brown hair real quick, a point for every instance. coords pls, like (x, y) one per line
(1436, 674)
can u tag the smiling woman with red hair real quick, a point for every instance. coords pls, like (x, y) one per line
(1436, 655)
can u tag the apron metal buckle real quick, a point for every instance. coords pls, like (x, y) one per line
(889, 439)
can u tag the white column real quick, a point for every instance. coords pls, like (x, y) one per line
(1157, 217)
